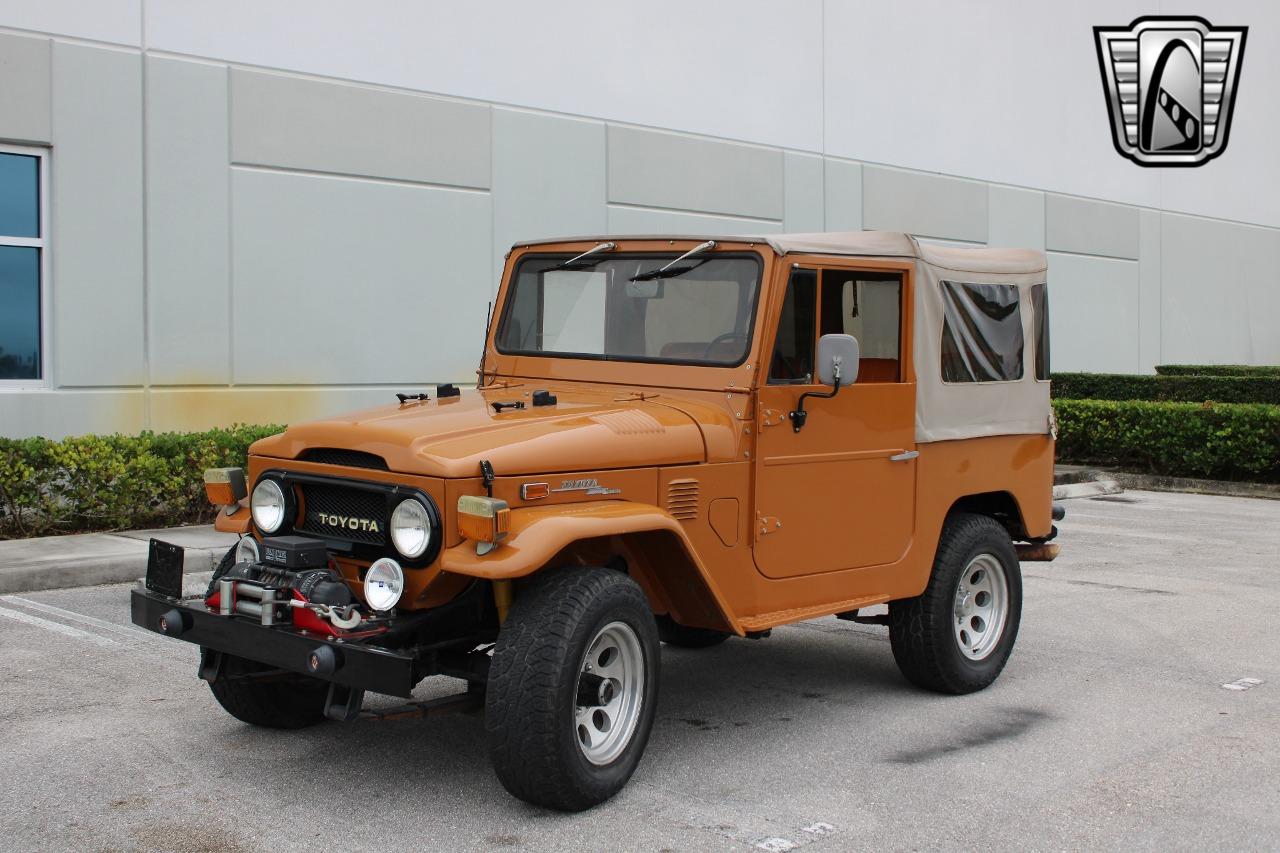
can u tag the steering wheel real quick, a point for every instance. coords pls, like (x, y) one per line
(727, 336)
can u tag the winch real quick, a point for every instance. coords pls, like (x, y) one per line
(293, 573)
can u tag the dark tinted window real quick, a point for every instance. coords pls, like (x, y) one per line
(1040, 305)
(19, 195)
(792, 361)
(981, 332)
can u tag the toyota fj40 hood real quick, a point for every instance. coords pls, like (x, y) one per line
(582, 431)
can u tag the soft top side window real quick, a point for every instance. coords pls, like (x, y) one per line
(1040, 307)
(981, 332)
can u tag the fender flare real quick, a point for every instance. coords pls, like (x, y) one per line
(537, 534)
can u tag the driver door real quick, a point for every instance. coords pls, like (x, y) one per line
(840, 493)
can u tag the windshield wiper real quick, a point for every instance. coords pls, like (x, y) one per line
(671, 270)
(578, 261)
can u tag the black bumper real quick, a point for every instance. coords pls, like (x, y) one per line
(360, 666)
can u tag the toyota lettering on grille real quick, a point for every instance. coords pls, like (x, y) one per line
(347, 522)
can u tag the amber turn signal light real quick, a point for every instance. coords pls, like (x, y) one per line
(225, 486)
(483, 520)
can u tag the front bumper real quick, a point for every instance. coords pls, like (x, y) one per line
(357, 665)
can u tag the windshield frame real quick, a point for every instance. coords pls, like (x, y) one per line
(659, 256)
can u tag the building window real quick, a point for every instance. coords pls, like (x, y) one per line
(981, 332)
(23, 247)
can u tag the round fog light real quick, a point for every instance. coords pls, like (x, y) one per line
(383, 584)
(410, 529)
(247, 550)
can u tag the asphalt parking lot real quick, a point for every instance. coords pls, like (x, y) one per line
(1110, 728)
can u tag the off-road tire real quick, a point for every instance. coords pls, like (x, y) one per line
(224, 565)
(530, 699)
(673, 633)
(286, 701)
(921, 629)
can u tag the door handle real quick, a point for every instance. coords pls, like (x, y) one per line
(904, 456)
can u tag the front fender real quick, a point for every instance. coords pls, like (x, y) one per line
(537, 534)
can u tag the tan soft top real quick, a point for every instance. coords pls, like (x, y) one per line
(944, 410)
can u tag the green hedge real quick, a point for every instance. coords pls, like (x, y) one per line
(113, 482)
(1173, 388)
(1230, 441)
(1218, 369)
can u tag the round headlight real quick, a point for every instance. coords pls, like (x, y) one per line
(383, 584)
(247, 550)
(267, 506)
(410, 529)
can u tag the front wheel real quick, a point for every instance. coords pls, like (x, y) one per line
(572, 688)
(958, 634)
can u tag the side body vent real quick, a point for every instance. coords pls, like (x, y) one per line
(339, 456)
(682, 499)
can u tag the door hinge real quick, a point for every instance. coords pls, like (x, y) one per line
(766, 524)
(770, 417)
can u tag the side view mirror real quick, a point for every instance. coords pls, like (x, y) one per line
(837, 366)
(838, 354)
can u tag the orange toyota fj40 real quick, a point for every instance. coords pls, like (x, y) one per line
(672, 439)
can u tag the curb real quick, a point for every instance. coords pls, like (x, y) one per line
(1089, 489)
(1226, 488)
(59, 562)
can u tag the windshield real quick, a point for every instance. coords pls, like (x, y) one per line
(700, 314)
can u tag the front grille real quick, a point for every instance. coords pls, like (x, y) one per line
(349, 458)
(344, 502)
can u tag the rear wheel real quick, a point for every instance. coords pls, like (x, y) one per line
(256, 694)
(674, 634)
(572, 688)
(957, 635)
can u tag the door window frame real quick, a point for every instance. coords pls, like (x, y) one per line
(42, 243)
(906, 311)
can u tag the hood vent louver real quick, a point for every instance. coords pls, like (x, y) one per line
(347, 458)
(682, 499)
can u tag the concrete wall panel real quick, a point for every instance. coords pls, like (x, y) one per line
(1016, 218)
(97, 217)
(279, 120)
(548, 179)
(58, 414)
(842, 183)
(1149, 301)
(188, 265)
(1093, 314)
(803, 207)
(924, 204)
(738, 69)
(25, 89)
(1090, 227)
(341, 281)
(118, 21)
(671, 170)
(1219, 285)
(643, 220)
(183, 409)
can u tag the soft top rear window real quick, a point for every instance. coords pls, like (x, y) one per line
(981, 332)
(702, 314)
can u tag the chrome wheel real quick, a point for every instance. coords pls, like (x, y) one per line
(981, 607)
(610, 693)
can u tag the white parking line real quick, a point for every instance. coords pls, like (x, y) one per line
(132, 632)
(59, 628)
